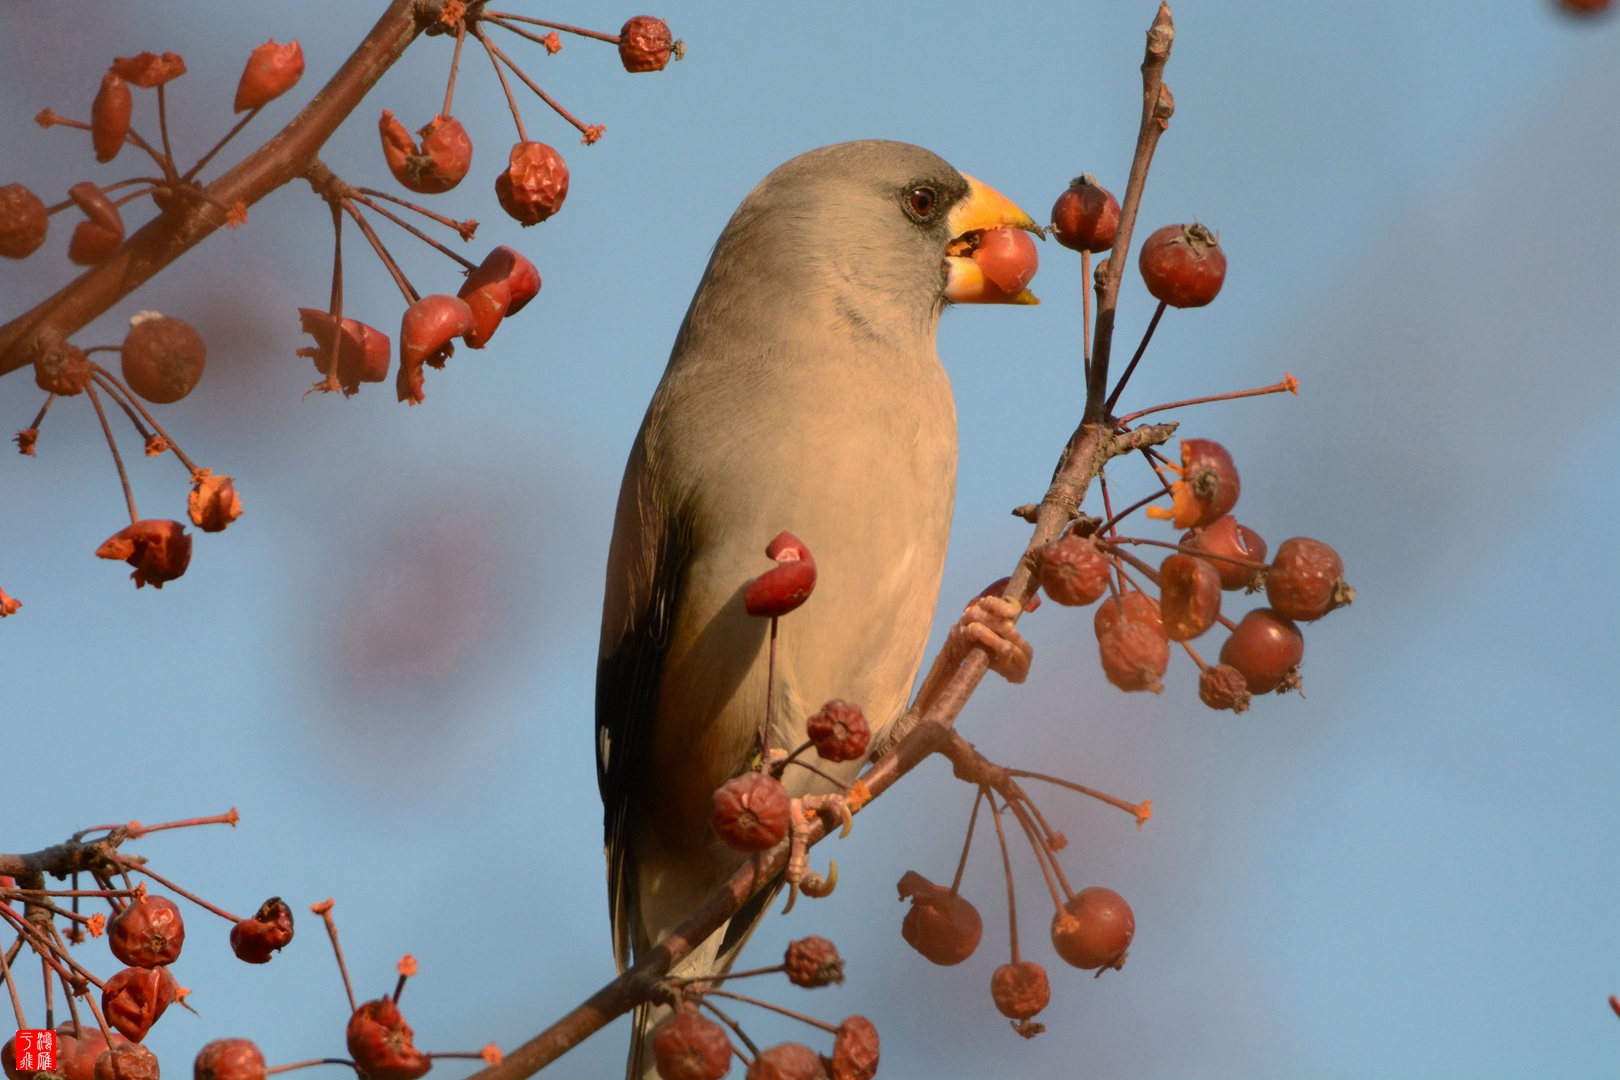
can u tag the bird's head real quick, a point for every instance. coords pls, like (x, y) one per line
(880, 231)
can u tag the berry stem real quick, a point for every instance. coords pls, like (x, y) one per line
(1161, 35)
(1054, 840)
(1006, 868)
(324, 909)
(131, 864)
(1113, 521)
(831, 779)
(1085, 311)
(123, 477)
(1108, 509)
(455, 65)
(1112, 800)
(49, 991)
(229, 135)
(511, 102)
(230, 817)
(729, 975)
(411, 295)
(1289, 385)
(163, 131)
(1043, 855)
(413, 230)
(967, 841)
(11, 986)
(783, 1010)
(519, 31)
(732, 1024)
(60, 949)
(1193, 653)
(39, 417)
(72, 1002)
(770, 693)
(465, 228)
(535, 87)
(1249, 564)
(1147, 336)
(101, 1021)
(611, 39)
(312, 1061)
(134, 418)
(116, 387)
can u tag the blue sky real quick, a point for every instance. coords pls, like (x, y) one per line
(387, 663)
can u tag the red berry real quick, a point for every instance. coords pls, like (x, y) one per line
(271, 71)
(1134, 655)
(786, 1061)
(1189, 596)
(1183, 265)
(534, 184)
(1266, 647)
(78, 1048)
(147, 933)
(127, 1061)
(1207, 489)
(229, 1059)
(1008, 259)
(425, 334)
(499, 287)
(363, 352)
(23, 222)
(1086, 216)
(1020, 990)
(839, 731)
(1226, 540)
(690, 1046)
(1073, 571)
(213, 503)
(149, 70)
(751, 812)
(1134, 605)
(99, 238)
(63, 370)
(1306, 580)
(159, 550)
(437, 165)
(269, 930)
(1093, 929)
(812, 962)
(855, 1051)
(380, 1042)
(136, 997)
(1224, 687)
(942, 925)
(163, 358)
(785, 586)
(645, 44)
(109, 116)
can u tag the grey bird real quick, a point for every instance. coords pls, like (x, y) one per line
(803, 393)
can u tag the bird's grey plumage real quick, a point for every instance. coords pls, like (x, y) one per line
(803, 393)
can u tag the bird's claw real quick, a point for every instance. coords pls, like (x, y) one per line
(798, 875)
(989, 622)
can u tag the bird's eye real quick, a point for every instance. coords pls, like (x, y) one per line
(920, 202)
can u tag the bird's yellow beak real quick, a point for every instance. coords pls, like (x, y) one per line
(993, 271)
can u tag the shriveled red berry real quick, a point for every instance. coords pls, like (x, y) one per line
(1306, 580)
(500, 286)
(785, 586)
(1134, 655)
(163, 358)
(645, 44)
(1189, 596)
(109, 116)
(813, 961)
(380, 1042)
(751, 812)
(77, 1049)
(1008, 258)
(1073, 571)
(149, 932)
(1224, 687)
(159, 550)
(1093, 929)
(127, 1061)
(1207, 489)
(534, 184)
(1086, 216)
(425, 334)
(1237, 552)
(63, 369)
(271, 71)
(839, 731)
(1266, 647)
(363, 352)
(213, 503)
(149, 70)
(690, 1046)
(1020, 990)
(1134, 605)
(786, 1061)
(136, 997)
(855, 1051)
(98, 238)
(23, 222)
(229, 1059)
(1183, 265)
(268, 931)
(437, 165)
(942, 925)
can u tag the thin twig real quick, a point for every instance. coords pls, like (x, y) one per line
(123, 477)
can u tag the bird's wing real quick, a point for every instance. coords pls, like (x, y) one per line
(646, 567)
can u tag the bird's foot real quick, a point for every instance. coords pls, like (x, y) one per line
(988, 621)
(803, 811)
